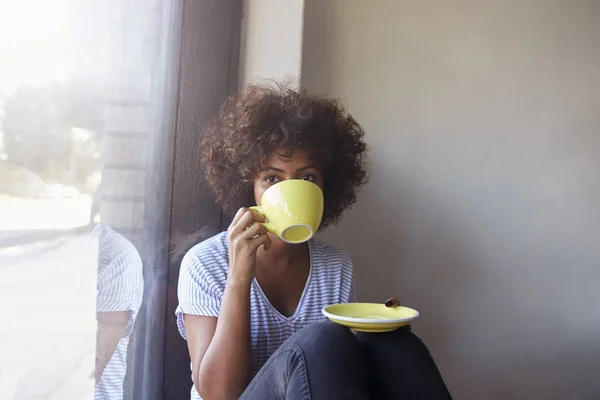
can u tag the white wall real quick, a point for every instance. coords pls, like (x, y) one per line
(483, 120)
(271, 45)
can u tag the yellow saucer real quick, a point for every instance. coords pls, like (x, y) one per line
(370, 317)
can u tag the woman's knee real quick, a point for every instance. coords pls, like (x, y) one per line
(399, 341)
(404, 353)
(402, 335)
(325, 336)
(330, 358)
(326, 329)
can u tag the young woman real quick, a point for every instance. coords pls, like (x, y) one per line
(249, 303)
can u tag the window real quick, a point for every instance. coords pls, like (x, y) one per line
(101, 105)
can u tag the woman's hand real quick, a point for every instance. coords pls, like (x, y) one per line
(245, 235)
(394, 302)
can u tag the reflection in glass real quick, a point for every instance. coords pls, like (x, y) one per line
(77, 82)
(120, 288)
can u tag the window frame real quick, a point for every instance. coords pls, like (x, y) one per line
(200, 51)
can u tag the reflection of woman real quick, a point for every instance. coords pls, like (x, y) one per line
(250, 304)
(120, 287)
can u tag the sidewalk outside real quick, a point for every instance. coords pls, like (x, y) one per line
(47, 323)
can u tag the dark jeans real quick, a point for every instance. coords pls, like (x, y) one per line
(326, 361)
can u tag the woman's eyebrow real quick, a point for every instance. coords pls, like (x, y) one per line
(271, 169)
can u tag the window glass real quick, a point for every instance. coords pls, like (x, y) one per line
(83, 123)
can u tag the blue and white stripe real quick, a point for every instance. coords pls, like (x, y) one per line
(120, 287)
(202, 282)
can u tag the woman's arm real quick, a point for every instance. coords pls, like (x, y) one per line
(111, 326)
(221, 348)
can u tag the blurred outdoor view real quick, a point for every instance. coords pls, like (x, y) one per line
(65, 121)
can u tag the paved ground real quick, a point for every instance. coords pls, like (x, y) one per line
(47, 307)
(47, 320)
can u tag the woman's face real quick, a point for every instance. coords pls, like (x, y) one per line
(277, 168)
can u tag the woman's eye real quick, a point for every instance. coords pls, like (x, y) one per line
(271, 179)
(308, 177)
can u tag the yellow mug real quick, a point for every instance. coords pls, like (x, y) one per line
(293, 210)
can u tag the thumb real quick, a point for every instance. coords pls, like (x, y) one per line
(392, 302)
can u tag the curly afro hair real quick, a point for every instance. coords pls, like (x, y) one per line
(267, 118)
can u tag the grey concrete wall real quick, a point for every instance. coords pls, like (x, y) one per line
(271, 42)
(483, 120)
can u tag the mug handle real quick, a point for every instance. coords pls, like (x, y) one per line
(268, 226)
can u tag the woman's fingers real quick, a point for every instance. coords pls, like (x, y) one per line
(247, 226)
(242, 212)
(257, 234)
(237, 217)
(247, 219)
(393, 302)
(261, 240)
(253, 230)
(245, 235)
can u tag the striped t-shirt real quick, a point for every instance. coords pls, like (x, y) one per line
(120, 288)
(202, 282)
